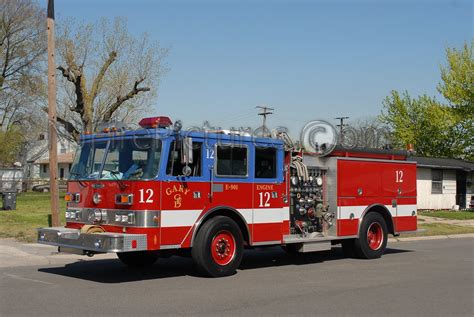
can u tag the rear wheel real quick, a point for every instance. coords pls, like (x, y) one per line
(138, 258)
(373, 235)
(218, 247)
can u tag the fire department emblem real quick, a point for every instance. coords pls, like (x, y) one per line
(177, 200)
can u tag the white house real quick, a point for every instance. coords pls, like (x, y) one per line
(37, 169)
(444, 183)
(64, 166)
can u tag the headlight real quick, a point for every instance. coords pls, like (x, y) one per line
(97, 215)
(97, 198)
(73, 214)
(125, 218)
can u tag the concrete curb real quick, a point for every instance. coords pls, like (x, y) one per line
(449, 236)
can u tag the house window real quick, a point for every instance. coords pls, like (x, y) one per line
(44, 168)
(61, 173)
(265, 162)
(436, 181)
(231, 161)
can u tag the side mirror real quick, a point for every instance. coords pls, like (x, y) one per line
(187, 151)
(187, 171)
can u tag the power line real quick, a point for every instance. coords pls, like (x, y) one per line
(264, 112)
(233, 117)
(341, 126)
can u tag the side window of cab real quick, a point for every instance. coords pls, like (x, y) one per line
(232, 161)
(265, 163)
(174, 166)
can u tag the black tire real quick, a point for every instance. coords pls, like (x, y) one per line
(219, 236)
(348, 248)
(374, 248)
(138, 258)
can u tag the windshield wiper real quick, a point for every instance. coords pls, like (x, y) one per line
(121, 184)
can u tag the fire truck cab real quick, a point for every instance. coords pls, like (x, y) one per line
(160, 191)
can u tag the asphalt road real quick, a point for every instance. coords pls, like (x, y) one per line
(419, 278)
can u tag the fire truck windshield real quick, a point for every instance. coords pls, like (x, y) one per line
(117, 159)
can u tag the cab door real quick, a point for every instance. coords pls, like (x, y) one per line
(183, 197)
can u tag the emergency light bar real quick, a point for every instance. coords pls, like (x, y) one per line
(155, 122)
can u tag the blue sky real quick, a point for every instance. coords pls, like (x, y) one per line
(306, 59)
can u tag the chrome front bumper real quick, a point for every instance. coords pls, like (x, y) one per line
(73, 239)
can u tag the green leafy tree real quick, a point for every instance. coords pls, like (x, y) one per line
(457, 87)
(457, 84)
(436, 129)
(11, 142)
(421, 121)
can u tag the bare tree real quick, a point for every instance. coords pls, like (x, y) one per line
(107, 73)
(22, 50)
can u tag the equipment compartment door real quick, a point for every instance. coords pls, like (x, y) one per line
(269, 210)
(399, 184)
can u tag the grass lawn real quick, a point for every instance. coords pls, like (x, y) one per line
(33, 210)
(436, 229)
(455, 215)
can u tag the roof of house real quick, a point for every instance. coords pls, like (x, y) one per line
(39, 149)
(62, 158)
(445, 163)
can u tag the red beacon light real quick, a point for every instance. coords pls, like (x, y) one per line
(155, 122)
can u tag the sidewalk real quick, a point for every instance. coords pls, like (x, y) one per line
(14, 253)
(446, 236)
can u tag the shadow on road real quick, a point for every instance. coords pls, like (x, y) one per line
(113, 271)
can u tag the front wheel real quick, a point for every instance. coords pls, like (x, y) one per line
(373, 235)
(138, 258)
(218, 247)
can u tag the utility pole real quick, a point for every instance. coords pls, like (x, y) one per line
(341, 126)
(53, 139)
(264, 112)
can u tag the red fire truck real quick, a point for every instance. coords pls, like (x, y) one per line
(160, 191)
